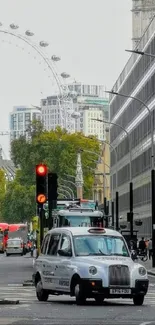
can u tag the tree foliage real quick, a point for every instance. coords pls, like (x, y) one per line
(18, 203)
(2, 191)
(56, 148)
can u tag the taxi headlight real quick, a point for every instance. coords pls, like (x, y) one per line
(92, 270)
(142, 271)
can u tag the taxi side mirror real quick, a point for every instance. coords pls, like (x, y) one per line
(62, 252)
(134, 256)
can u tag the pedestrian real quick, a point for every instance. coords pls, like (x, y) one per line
(150, 248)
(142, 245)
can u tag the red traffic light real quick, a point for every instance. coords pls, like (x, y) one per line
(41, 170)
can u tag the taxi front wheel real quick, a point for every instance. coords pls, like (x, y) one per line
(42, 294)
(138, 300)
(79, 295)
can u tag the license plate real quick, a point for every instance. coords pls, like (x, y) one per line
(120, 291)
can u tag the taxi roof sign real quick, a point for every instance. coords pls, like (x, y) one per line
(97, 230)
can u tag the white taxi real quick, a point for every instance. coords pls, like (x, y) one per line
(88, 263)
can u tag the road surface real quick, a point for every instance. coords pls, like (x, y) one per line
(63, 310)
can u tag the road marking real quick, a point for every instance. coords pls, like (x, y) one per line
(146, 323)
(15, 285)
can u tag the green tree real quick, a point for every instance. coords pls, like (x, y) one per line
(18, 203)
(2, 191)
(58, 149)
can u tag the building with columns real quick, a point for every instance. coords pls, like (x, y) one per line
(142, 13)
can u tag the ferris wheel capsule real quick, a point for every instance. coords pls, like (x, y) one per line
(75, 115)
(73, 94)
(43, 44)
(55, 58)
(65, 75)
(13, 26)
(29, 33)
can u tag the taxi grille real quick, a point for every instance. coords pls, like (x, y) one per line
(119, 275)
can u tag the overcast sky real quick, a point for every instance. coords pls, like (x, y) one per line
(90, 36)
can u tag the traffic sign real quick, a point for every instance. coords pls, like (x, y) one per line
(41, 198)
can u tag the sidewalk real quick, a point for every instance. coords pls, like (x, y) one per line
(148, 266)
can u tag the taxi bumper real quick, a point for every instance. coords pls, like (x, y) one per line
(93, 287)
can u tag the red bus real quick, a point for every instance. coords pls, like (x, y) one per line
(3, 236)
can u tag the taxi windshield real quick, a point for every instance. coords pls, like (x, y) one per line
(100, 245)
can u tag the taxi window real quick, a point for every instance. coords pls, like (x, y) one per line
(53, 244)
(45, 244)
(65, 243)
(100, 245)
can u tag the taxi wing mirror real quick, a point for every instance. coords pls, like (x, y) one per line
(134, 256)
(63, 252)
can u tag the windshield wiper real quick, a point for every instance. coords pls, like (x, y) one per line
(101, 252)
(98, 254)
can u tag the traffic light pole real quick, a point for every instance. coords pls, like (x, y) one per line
(50, 219)
(41, 217)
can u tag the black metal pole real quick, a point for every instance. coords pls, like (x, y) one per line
(117, 211)
(50, 219)
(105, 212)
(112, 214)
(153, 215)
(131, 209)
(41, 215)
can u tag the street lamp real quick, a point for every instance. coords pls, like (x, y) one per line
(151, 120)
(99, 174)
(64, 190)
(152, 159)
(65, 180)
(68, 189)
(113, 148)
(65, 196)
(141, 53)
(116, 162)
(117, 198)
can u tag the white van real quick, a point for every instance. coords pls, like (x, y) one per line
(14, 246)
(88, 263)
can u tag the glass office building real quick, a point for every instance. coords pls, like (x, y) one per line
(138, 80)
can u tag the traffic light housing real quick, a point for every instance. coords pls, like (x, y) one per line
(52, 187)
(41, 183)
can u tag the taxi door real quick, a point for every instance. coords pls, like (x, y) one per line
(63, 270)
(51, 260)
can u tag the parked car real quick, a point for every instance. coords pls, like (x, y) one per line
(88, 263)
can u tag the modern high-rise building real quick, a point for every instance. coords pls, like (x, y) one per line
(142, 13)
(88, 103)
(20, 119)
(136, 80)
(93, 108)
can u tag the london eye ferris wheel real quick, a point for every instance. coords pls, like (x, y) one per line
(64, 96)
